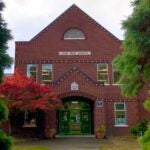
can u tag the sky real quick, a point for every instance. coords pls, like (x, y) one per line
(26, 18)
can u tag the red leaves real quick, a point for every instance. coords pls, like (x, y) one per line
(25, 93)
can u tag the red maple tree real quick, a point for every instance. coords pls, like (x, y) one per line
(24, 93)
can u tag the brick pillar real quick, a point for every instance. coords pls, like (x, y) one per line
(99, 114)
(50, 123)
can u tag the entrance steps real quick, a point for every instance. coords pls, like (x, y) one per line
(75, 136)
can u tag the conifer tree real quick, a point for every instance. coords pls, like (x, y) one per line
(134, 63)
(5, 62)
(5, 59)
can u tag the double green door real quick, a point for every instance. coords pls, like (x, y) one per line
(75, 121)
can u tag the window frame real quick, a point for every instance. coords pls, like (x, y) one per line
(25, 125)
(113, 71)
(47, 81)
(79, 38)
(123, 110)
(28, 73)
(107, 73)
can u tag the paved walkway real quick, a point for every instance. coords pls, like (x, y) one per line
(67, 143)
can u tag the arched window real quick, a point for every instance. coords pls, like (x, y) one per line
(74, 34)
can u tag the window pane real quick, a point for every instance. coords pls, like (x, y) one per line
(103, 72)
(121, 118)
(46, 72)
(116, 77)
(74, 34)
(120, 106)
(103, 77)
(46, 66)
(102, 67)
(29, 119)
(32, 71)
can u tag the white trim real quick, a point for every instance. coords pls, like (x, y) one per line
(115, 84)
(123, 125)
(74, 38)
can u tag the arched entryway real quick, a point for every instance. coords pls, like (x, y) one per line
(76, 116)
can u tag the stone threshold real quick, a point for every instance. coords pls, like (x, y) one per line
(75, 136)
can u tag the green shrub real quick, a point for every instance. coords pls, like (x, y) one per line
(140, 128)
(145, 140)
(3, 111)
(5, 141)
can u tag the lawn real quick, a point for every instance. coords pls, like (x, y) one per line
(122, 143)
(29, 148)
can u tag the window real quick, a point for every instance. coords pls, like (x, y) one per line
(46, 73)
(29, 119)
(120, 114)
(102, 72)
(73, 34)
(32, 71)
(116, 76)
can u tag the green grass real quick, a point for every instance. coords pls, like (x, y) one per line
(121, 143)
(30, 148)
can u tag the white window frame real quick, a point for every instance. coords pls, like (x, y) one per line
(107, 73)
(25, 125)
(46, 81)
(28, 67)
(124, 110)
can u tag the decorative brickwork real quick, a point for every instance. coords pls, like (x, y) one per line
(101, 46)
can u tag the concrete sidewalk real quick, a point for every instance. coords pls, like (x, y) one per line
(67, 143)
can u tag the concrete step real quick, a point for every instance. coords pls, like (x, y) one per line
(75, 136)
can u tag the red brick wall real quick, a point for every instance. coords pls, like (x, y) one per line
(44, 48)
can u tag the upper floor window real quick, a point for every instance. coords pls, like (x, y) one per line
(102, 72)
(46, 73)
(32, 71)
(116, 76)
(120, 114)
(74, 34)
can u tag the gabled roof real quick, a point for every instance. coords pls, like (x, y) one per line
(80, 11)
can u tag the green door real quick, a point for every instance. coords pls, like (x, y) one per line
(75, 118)
(64, 119)
(85, 121)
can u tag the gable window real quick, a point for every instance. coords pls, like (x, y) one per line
(29, 119)
(32, 71)
(102, 72)
(74, 34)
(120, 114)
(116, 76)
(46, 73)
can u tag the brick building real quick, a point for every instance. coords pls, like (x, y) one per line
(74, 55)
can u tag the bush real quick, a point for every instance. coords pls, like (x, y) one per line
(145, 140)
(140, 129)
(5, 141)
(3, 111)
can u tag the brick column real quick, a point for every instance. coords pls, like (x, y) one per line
(50, 123)
(99, 115)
